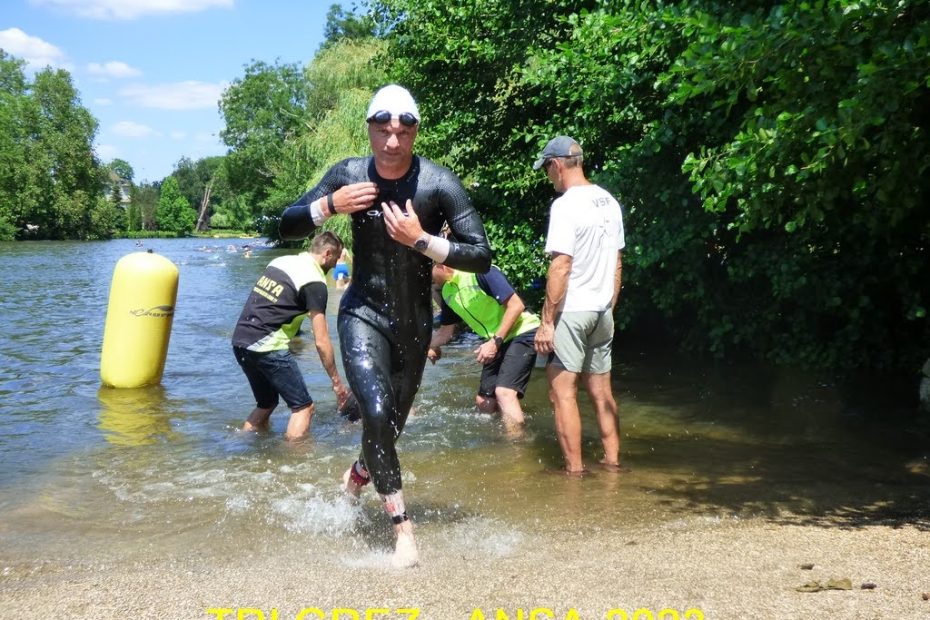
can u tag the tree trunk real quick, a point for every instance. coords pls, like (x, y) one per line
(204, 204)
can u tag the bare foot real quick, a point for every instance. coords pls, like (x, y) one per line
(571, 473)
(254, 428)
(614, 468)
(405, 551)
(514, 430)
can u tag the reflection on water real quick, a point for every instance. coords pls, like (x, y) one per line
(87, 471)
(134, 417)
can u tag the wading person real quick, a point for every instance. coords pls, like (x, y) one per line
(584, 241)
(291, 288)
(488, 304)
(398, 202)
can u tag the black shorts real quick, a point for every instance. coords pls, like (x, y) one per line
(511, 368)
(271, 374)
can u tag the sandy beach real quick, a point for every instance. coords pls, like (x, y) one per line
(696, 567)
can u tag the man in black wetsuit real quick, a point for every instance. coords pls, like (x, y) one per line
(398, 204)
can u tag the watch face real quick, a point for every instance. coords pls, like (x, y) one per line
(421, 244)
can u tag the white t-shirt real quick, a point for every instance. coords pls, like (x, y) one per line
(586, 223)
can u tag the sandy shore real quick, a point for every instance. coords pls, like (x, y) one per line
(720, 569)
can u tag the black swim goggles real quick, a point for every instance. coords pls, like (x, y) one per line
(383, 116)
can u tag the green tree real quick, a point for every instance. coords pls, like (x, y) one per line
(50, 179)
(68, 171)
(818, 168)
(13, 144)
(107, 217)
(174, 212)
(116, 196)
(234, 212)
(143, 206)
(122, 169)
(204, 183)
(261, 110)
(344, 25)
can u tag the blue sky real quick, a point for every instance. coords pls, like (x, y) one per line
(152, 71)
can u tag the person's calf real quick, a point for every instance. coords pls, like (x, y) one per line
(299, 423)
(508, 402)
(258, 419)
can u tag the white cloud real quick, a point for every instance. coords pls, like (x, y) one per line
(130, 129)
(112, 69)
(188, 95)
(106, 152)
(103, 101)
(178, 135)
(37, 53)
(130, 9)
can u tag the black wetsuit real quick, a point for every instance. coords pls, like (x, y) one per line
(385, 318)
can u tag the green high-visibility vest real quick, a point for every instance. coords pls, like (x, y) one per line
(479, 310)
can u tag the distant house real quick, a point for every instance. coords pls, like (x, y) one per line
(125, 189)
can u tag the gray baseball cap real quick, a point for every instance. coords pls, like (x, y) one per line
(560, 146)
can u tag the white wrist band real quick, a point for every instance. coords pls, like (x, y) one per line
(316, 212)
(438, 249)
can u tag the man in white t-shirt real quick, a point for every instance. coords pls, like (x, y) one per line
(585, 241)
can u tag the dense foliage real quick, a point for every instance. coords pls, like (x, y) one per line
(174, 213)
(50, 186)
(771, 157)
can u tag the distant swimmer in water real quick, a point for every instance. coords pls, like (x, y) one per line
(398, 203)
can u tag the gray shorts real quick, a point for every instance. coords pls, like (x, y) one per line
(583, 341)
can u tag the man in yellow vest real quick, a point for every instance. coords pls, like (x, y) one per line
(291, 288)
(492, 309)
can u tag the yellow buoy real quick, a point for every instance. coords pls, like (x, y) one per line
(138, 325)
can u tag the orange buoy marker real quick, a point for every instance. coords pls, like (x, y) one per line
(138, 324)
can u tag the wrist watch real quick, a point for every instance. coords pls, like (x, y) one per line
(422, 243)
(498, 341)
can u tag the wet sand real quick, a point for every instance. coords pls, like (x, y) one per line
(717, 568)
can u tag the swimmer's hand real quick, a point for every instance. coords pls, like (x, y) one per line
(354, 197)
(434, 354)
(403, 226)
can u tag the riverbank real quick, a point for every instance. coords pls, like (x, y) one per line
(718, 568)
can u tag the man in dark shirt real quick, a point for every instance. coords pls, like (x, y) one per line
(398, 203)
(291, 288)
(492, 309)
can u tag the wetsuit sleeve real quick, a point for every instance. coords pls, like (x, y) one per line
(296, 222)
(469, 249)
(495, 284)
(314, 296)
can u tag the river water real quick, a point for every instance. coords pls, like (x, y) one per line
(92, 474)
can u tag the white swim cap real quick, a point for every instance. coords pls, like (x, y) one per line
(394, 99)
